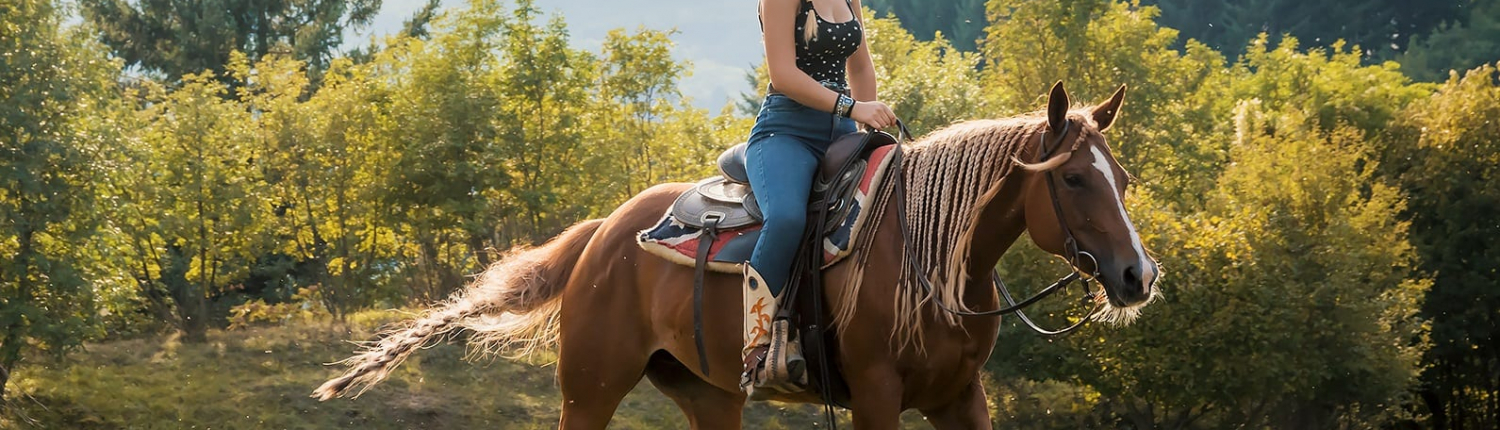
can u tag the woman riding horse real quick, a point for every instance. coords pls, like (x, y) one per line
(615, 312)
(817, 58)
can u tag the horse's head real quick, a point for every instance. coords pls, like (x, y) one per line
(1074, 173)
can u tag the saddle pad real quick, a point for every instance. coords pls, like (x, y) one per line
(678, 242)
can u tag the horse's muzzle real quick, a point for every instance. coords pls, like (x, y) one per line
(1132, 282)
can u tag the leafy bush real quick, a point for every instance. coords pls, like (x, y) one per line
(303, 308)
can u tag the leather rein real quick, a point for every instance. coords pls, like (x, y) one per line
(1074, 256)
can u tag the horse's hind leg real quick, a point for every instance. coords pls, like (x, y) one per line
(601, 353)
(594, 376)
(968, 411)
(706, 406)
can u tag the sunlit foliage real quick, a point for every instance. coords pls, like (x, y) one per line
(53, 84)
(1445, 154)
(1325, 223)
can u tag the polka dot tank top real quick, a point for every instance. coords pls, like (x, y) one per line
(825, 56)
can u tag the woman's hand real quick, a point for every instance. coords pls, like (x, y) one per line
(874, 114)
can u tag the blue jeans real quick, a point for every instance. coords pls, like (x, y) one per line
(783, 152)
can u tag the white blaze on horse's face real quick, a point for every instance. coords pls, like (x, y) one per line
(1081, 201)
(1137, 268)
(1089, 190)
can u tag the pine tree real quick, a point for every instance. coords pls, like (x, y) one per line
(961, 22)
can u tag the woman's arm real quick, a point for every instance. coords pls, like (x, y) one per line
(779, 19)
(861, 71)
(860, 68)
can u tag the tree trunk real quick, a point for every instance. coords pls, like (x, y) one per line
(1435, 407)
(195, 325)
(4, 380)
(10, 354)
(191, 315)
(195, 303)
(10, 345)
(194, 309)
(1142, 419)
(481, 252)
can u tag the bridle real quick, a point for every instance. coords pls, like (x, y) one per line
(1070, 246)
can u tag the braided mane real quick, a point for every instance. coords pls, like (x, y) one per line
(950, 175)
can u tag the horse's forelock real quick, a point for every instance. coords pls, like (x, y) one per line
(1045, 166)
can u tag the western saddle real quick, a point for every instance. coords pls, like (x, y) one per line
(728, 201)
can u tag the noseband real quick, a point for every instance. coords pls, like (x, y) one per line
(1070, 246)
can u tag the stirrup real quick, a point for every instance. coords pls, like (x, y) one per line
(778, 368)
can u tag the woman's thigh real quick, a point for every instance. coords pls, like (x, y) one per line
(781, 169)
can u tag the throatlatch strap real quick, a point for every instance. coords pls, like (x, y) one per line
(705, 243)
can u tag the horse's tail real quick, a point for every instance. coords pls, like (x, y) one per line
(513, 305)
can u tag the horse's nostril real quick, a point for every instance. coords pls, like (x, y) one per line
(1134, 286)
(1132, 276)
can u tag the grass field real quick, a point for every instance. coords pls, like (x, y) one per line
(259, 378)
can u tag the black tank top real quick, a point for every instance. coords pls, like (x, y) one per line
(825, 56)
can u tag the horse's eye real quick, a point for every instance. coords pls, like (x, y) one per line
(1073, 180)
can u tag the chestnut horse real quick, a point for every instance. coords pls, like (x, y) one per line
(615, 312)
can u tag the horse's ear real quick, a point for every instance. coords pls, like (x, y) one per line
(1105, 114)
(1057, 106)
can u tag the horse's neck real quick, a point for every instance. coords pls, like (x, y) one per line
(1000, 223)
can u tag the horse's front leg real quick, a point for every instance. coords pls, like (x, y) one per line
(968, 411)
(876, 403)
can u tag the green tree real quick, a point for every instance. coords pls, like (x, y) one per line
(929, 84)
(1456, 45)
(960, 21)
(1444, 152)
(54, 84)
(176, 38)
(133, 220)
(417, 26)
(1094, 46)
(639, 80)
(544, 85)
(1289, 300)
(1290, 286)
(196, 200)
(317, 165)
(482, 144)
(644, 132)
(1381, 28)
(1295, 291)
(442, 170)
(1330, 84)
